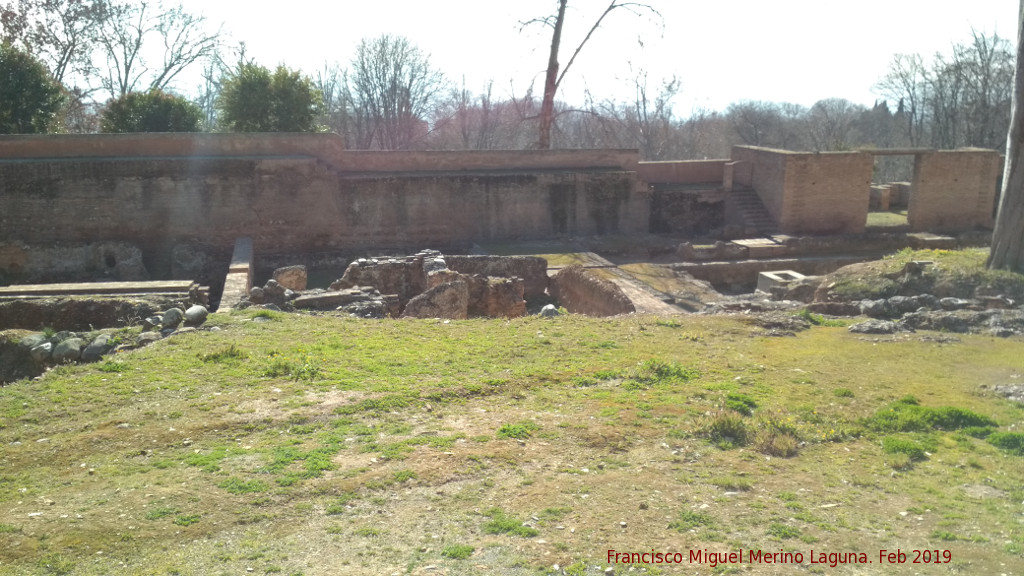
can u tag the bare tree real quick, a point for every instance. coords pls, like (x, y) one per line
(61, 33)
(906, 83)
(392, 88)
(131, 26)
(553, 77)
(1008, 237)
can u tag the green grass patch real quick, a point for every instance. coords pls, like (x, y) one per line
(457, 551)
(690, 520)
(906, 446)
(1012, 442)
(518, 431)
(161, 512)
(235, 485)
(740, 403)
(907, 415)
(501, 523)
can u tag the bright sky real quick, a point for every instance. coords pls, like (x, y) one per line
(722, 50)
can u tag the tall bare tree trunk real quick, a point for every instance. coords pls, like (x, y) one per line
(1008, 236)
(547, 107)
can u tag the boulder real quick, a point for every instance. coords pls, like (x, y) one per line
(448, 300)
(256, 295)
(69, 350)
(148, 338)
(291, 277)
(32, 340)
(172, 318)
(549, 311)
(42, 352)
(97, 348)
(196, 315)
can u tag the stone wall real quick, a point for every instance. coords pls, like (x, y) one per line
(302, 203)
(532, 269)
(581, 292)
(953, 190)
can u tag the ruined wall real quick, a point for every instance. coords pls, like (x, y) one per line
(764, 170)
(169, 145)
(532, 269)
(302, 204)
(809, 192)
(685, 171)
(953, 190)
(581, 292)
(827, 193)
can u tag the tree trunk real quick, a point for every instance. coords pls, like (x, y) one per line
(1008, 236)
(547, 107)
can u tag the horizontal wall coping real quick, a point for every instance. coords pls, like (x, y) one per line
(327, 147)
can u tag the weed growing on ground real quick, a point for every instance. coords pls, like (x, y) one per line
(457, 551)
(501, 523)
(818, 319)
(740, 403)
(518, 431)
(727, 429)
(689, 520)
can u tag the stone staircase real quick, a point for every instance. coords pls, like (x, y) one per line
(755, 216)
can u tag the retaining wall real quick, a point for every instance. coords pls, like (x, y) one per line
(581, 292)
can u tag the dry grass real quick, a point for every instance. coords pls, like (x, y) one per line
(319, 445)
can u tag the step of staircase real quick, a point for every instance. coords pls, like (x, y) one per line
(753, 212)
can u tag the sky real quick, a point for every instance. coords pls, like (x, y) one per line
(722, 51)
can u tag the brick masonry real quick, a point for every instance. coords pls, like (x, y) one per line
(953, 190)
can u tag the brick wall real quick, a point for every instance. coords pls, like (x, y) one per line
(953, 190)
(301, 204)
(686, 171)
(827, 192)
(764, 170)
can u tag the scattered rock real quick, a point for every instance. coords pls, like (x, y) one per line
(69, 350)
(148, 338)
(291, 277)
(834, 308)
(954, 303)
(875, 327)
(42, 353)
(256, 295)
(196, 315)
(172, 318)
(1014, 392)
(32, 340)
(97, 348)
(151, 322)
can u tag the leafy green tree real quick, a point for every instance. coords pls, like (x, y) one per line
(153, 111)
(255, 100)
(29, 97)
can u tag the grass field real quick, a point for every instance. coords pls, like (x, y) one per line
(291, 444)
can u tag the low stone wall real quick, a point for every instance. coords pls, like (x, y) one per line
(532, 269)
(581, 292)
(21, 263)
